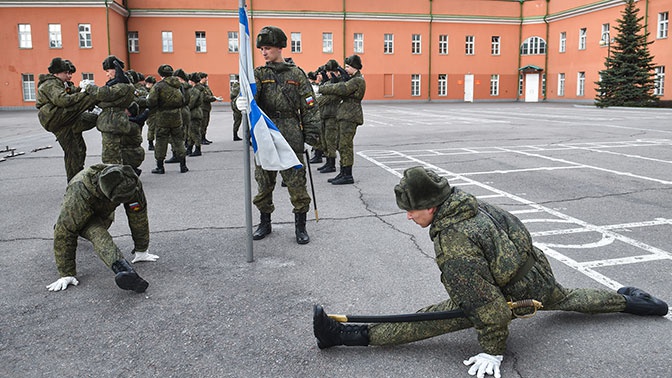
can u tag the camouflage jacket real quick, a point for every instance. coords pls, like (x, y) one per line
(328, 105)
(235, 91)
(165, 101)
(141, 93)
(196, 94)
(53, 100)
(351, 93)
(113, 100)
(479, 249)
(286, 96)
(83, 203)
(208, 98)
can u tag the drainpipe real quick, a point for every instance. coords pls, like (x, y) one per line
(128, 54)
(107, 19)
(546, 57)
(520, 42)
(646, 18)
(343, 27)
(429, 63)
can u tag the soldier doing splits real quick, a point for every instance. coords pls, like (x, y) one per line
(88, 211)
(486, 257)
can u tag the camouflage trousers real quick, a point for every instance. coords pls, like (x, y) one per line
(172, 135)
(346, 139)
(72, 142)
(111, 153)
(151, 130)
(96, 231)
(205, 122)
(330, 144)
(194, 136)
(296, 186)
(237, 120)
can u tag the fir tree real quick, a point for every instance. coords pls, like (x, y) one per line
(628, 77)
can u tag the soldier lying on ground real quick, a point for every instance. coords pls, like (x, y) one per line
(486, 257)
(88, 211)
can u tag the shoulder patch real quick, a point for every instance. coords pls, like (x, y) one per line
(310, 101)
(292, 82)
(134, 206)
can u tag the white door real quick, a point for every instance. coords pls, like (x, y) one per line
(468, 88)
(532, 87)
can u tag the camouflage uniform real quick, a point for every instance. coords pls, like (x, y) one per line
(196, 95)
(113, 121)
(486, 257)
(166, 101)
(208, 99)
(237, 115)
(88, 213)
(328, 105)
(63, 111)
(286, 96)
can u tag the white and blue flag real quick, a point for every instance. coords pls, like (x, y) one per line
(271, 150)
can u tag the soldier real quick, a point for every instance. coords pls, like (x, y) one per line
(88, 211)
(349, 115)
(486, 257)
(237, 115)
(208, 99)
(196, 95)
(132, 152)
(62, 110)
(151, 131)
(329, 105)
(285, 95)
(165, 101)
(185, 87)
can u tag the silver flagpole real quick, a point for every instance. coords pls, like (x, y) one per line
(246, 154)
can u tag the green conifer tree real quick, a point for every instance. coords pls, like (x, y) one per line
(628, 77)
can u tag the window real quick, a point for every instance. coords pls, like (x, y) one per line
(25, 38)
(358, 43)
(327, 43)
(388, 44)
(659, 81)
(443, 85)
(233, 41)
(469, 45)
(561, 84)
(415, 85)
(28, 84)
(580, 83)
(87, 76)
(663, 24)
(416, 44)
(296, 42)
(563, 42)
(604, 37)
(133, 42)
(167, 41)
(543, 84)
(520, 84)
(582, 38)
(494, 85)
(443, 44)
(85, 36)
(533, 46)
(200, 42)
(495, 45)
(55, 38)
(233, 78)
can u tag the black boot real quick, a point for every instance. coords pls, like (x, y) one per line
(346, 177)
(236, 137)
(183, 165)
(264, 227)
(126, 278)
(205, 141)
(317, 157)
(137, 171)
(159, 167)
(300, 228)
(329, 166)
(196, 152)
(338, 176)
(190, 149)
(173, 159)
(331, 333)
(150, 145)
(639, 302)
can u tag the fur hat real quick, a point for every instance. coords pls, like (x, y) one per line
(203, 74)
(354, 61)
(108, 63)
(421, 189)
(119, 183)
(271, 36)
(150, 79)
(134, 76)
(181, 74)
(165, 70)
(71, 67)
(195, 77)
(331, 65)
(58, 65)
(141, 77)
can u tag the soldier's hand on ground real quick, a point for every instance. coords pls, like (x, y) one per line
(241, 103)
(62, 283)
(483, 364)
(144, 256)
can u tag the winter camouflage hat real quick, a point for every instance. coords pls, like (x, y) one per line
(119, 183)
(421, 189)
(71, 67)
(58, 65)
(271, 36)
(354, 61)
(181, 74)
(108, 63)
(165, 70)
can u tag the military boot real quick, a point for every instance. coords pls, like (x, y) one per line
(150, 145)
(159, 167)
(331, 333)
(196, 152)
(236, 137)
(183, 165)
(639, 302)
(264, 227)
(300, 228)
(173, 159)
(126, 278)
(346, 177)
(190, 149)
(329, 166)
(317, 157)
(338, 176)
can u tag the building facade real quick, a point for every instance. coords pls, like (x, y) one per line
(425, 50)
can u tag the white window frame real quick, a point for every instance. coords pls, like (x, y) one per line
(659, 80)
(87, 76)
(561, 84)
(25, 37)
(606, 35)
(534, 45)
(233, 41)
(496, 45)
(520, 84)
(327, 42)
(443, 44)
(133, 42)
(494, 85)
(85, 38)
(358, 43)
(416, 85)
(296, 42)
(55, 36)
(201, 42)
(28, 86)
(583, 36)
(167, 41)
(563, 42)
(581, 84)
(469, 45)
(442, 85)
(663, 25)
(416, 44)
(388, 43)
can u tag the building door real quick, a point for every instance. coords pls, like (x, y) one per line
(532, 87)
(468, 88)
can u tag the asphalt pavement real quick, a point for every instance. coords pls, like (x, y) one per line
(593, 186)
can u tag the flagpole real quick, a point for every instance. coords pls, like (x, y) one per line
(247, 167)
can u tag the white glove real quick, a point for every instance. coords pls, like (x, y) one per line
(484, 363)
(241, 103)
(144, 256)
(307, 147)
(62, 283)
(219, 98)
(85, 83)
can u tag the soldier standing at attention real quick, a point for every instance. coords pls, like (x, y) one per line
(185, 87)
(165, 101)
(348, 116)
(208, 99)
(196, 95)
(486, 257)
(62, 110)
(151, 131)
(88, 211)
(237, 115)
(286, 96)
